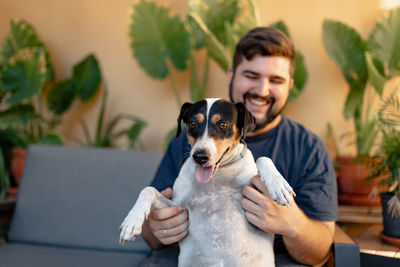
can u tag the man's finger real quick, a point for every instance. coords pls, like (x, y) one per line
(165, 213)
(260, 185)
(167, 193)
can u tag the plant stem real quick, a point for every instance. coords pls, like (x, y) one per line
(205, 78)
(176, 92)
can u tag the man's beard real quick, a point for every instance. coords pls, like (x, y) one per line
(269, 115)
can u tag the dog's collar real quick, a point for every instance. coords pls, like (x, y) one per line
(237, 156)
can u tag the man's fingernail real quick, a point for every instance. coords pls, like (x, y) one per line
(179, 209)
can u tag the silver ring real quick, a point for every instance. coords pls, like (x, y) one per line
(165, 232)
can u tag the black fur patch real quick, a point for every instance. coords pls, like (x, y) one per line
(228, 114)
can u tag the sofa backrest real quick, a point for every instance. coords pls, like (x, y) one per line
(78, 197)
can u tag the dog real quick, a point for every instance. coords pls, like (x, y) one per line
(210, 185)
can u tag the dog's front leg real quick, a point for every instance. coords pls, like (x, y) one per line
(278, 187)
(132, 225)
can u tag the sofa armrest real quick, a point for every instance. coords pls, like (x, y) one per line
(345, 251)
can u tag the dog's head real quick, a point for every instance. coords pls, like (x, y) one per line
(214, 127)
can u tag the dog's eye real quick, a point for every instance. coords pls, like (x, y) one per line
(192, 125)
(222, 125)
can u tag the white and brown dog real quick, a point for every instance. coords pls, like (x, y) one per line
(210, 185)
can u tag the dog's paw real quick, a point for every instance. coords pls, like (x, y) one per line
(132, 225)
(278, 187)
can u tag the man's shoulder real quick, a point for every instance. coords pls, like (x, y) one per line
(298, 130)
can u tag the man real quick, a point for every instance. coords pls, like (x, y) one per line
(261, 77)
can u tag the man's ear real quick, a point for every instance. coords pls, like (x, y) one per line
(291, 83)
(183, 115)
(246, 121)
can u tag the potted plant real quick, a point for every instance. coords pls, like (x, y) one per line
(214, 26)
(31, 101)
(388, 164)
(365, 64)
(108, 133)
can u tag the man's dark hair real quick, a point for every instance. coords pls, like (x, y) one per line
(264, 41)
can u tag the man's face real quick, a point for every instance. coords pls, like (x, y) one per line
(263, 84)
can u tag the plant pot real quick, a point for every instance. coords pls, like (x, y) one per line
(391, 226)
(16, 168)
(353, 189)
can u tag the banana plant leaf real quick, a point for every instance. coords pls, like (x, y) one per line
(21, 36)
(216, 15)
(345, 46)
(384, 41)
(24, 78)
(88, 77)
(376, 79)
(157, 38)
(300, 77)
(135, 130)
(215, 49)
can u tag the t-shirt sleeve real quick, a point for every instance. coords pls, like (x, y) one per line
(316, 189)
(171, 163)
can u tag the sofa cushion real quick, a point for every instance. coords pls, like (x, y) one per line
(78, 197)
(43, 256)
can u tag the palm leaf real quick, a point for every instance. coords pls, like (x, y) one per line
(17, 116)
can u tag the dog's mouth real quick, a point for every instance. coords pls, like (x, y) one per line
(204, 174)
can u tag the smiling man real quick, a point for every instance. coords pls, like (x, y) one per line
(261, 77)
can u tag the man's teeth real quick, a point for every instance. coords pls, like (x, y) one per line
(258, 102)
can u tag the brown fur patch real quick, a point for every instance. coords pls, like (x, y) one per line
(215, 118)
(191, 139)
(230, 143)
(200, 118)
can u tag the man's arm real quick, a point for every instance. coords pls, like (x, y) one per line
(307, 241)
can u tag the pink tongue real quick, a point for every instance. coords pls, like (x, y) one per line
(203, 174)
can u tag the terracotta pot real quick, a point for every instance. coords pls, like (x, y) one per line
(17, 163)
(353, 188)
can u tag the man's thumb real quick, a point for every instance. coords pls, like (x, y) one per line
(167, 193)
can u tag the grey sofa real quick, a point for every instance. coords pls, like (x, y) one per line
(71, 202)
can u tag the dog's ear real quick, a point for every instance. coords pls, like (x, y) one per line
(246, 121)
(183, 116)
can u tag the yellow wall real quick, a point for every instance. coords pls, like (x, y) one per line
(71, 29)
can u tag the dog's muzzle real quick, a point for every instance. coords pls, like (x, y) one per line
(201, 157)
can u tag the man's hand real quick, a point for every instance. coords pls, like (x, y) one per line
(307, 241)
(263, 212)
(167, 225)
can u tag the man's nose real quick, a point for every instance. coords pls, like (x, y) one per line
(264, 87)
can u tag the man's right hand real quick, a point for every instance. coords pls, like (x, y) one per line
(166, 226)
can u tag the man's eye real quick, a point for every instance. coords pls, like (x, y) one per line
(251, 77)
(192, 125)
(222, 125)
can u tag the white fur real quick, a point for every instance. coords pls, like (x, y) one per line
(219, 234)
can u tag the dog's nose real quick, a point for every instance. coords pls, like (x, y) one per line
(201, 157)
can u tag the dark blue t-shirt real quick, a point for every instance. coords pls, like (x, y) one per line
(299, 155)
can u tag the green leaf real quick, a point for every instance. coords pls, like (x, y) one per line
(385, 39)
(51, 139)
(216, 14)
(214, 47)
(345, 46)
(135, 131)
(61, 96)
(170, 135)
(280, 25)
(354, 102)
(375, 78)
(4, 176)
(88, 76)
(300, 77)
(156, 37)
(17, 116)
(21, 36)
(11, 137)
(24, 77)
